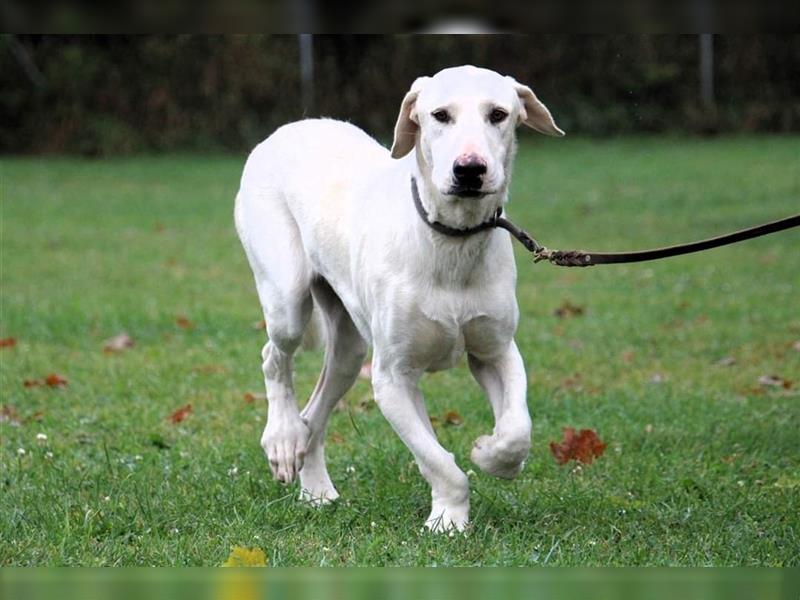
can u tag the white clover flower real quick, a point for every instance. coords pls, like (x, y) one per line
(21, 451)
(41, 438)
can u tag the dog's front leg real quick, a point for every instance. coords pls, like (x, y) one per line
(400, 401)
(503, 453)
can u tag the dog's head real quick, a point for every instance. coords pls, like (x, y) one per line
(463, 123)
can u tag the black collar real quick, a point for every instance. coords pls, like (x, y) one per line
(446, 229)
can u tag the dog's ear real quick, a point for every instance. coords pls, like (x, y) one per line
(407, 126)
(535, 114)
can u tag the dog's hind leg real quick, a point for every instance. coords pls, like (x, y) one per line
(274, 248)
(345, 350)
(503, 453)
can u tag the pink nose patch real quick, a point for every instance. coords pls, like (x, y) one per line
(470, 158)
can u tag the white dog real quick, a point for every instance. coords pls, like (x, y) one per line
(327, 217)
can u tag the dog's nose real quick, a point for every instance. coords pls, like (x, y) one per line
(469, 169)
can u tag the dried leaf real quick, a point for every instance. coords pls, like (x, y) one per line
(55, 380)
(336, 438)
(37, 415)
(627, 356)
(8, 414)
(434, 420)
(260, 325)
(583, 447)
(451, 417)
(29, 383)
(118, 343)
(183, 322)
(8, 342)
(251, 397)
(366, 370)
(180, 414)
(246, 557)
(568, 310)
(774, 381)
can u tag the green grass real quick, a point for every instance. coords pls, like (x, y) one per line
(702, 468)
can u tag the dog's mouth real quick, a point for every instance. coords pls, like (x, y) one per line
(468, 192)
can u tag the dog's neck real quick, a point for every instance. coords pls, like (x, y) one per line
(452, 260)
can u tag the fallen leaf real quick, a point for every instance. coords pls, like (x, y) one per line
(434, 420)
(55, 380)
(726, 361)
(451, 417)
(774, 381)
(627, 356)
(246, 557)
(568, 310)
(8, 414)
(336, 438)
(29, 383)
(37, 415)
(8, 342)
(180, 414)
(583, 447)
(366, 370)
(260, 325)
(250, 397)
(183, 322)
(118, 343)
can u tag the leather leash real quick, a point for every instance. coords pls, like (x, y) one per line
(580, 258)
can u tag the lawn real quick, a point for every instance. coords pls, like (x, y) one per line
(663, 360)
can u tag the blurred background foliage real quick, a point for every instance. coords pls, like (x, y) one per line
(107, 95)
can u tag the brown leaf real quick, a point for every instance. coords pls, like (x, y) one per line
(366, 370)
(118, 343)
(336, 438)
(183, 322)
(8, 414)
(29, 383)
(180, 414)
(8, 342)
(583, 447)
(55, 380)
(251, 397)
(35, 416)
(627, 356)
(451, 417)
(568, 310)
(260, 325)
(434, 420)
(774, 381)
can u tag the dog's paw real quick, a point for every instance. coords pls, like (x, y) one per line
(285, 445)
(500, 457)
(447, 519)
(318, 497)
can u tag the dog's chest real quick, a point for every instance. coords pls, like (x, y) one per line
(440, 328)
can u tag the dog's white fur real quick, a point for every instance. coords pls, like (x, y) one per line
(326, 217)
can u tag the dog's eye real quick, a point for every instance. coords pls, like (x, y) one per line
(498, 115)
(441, 115)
